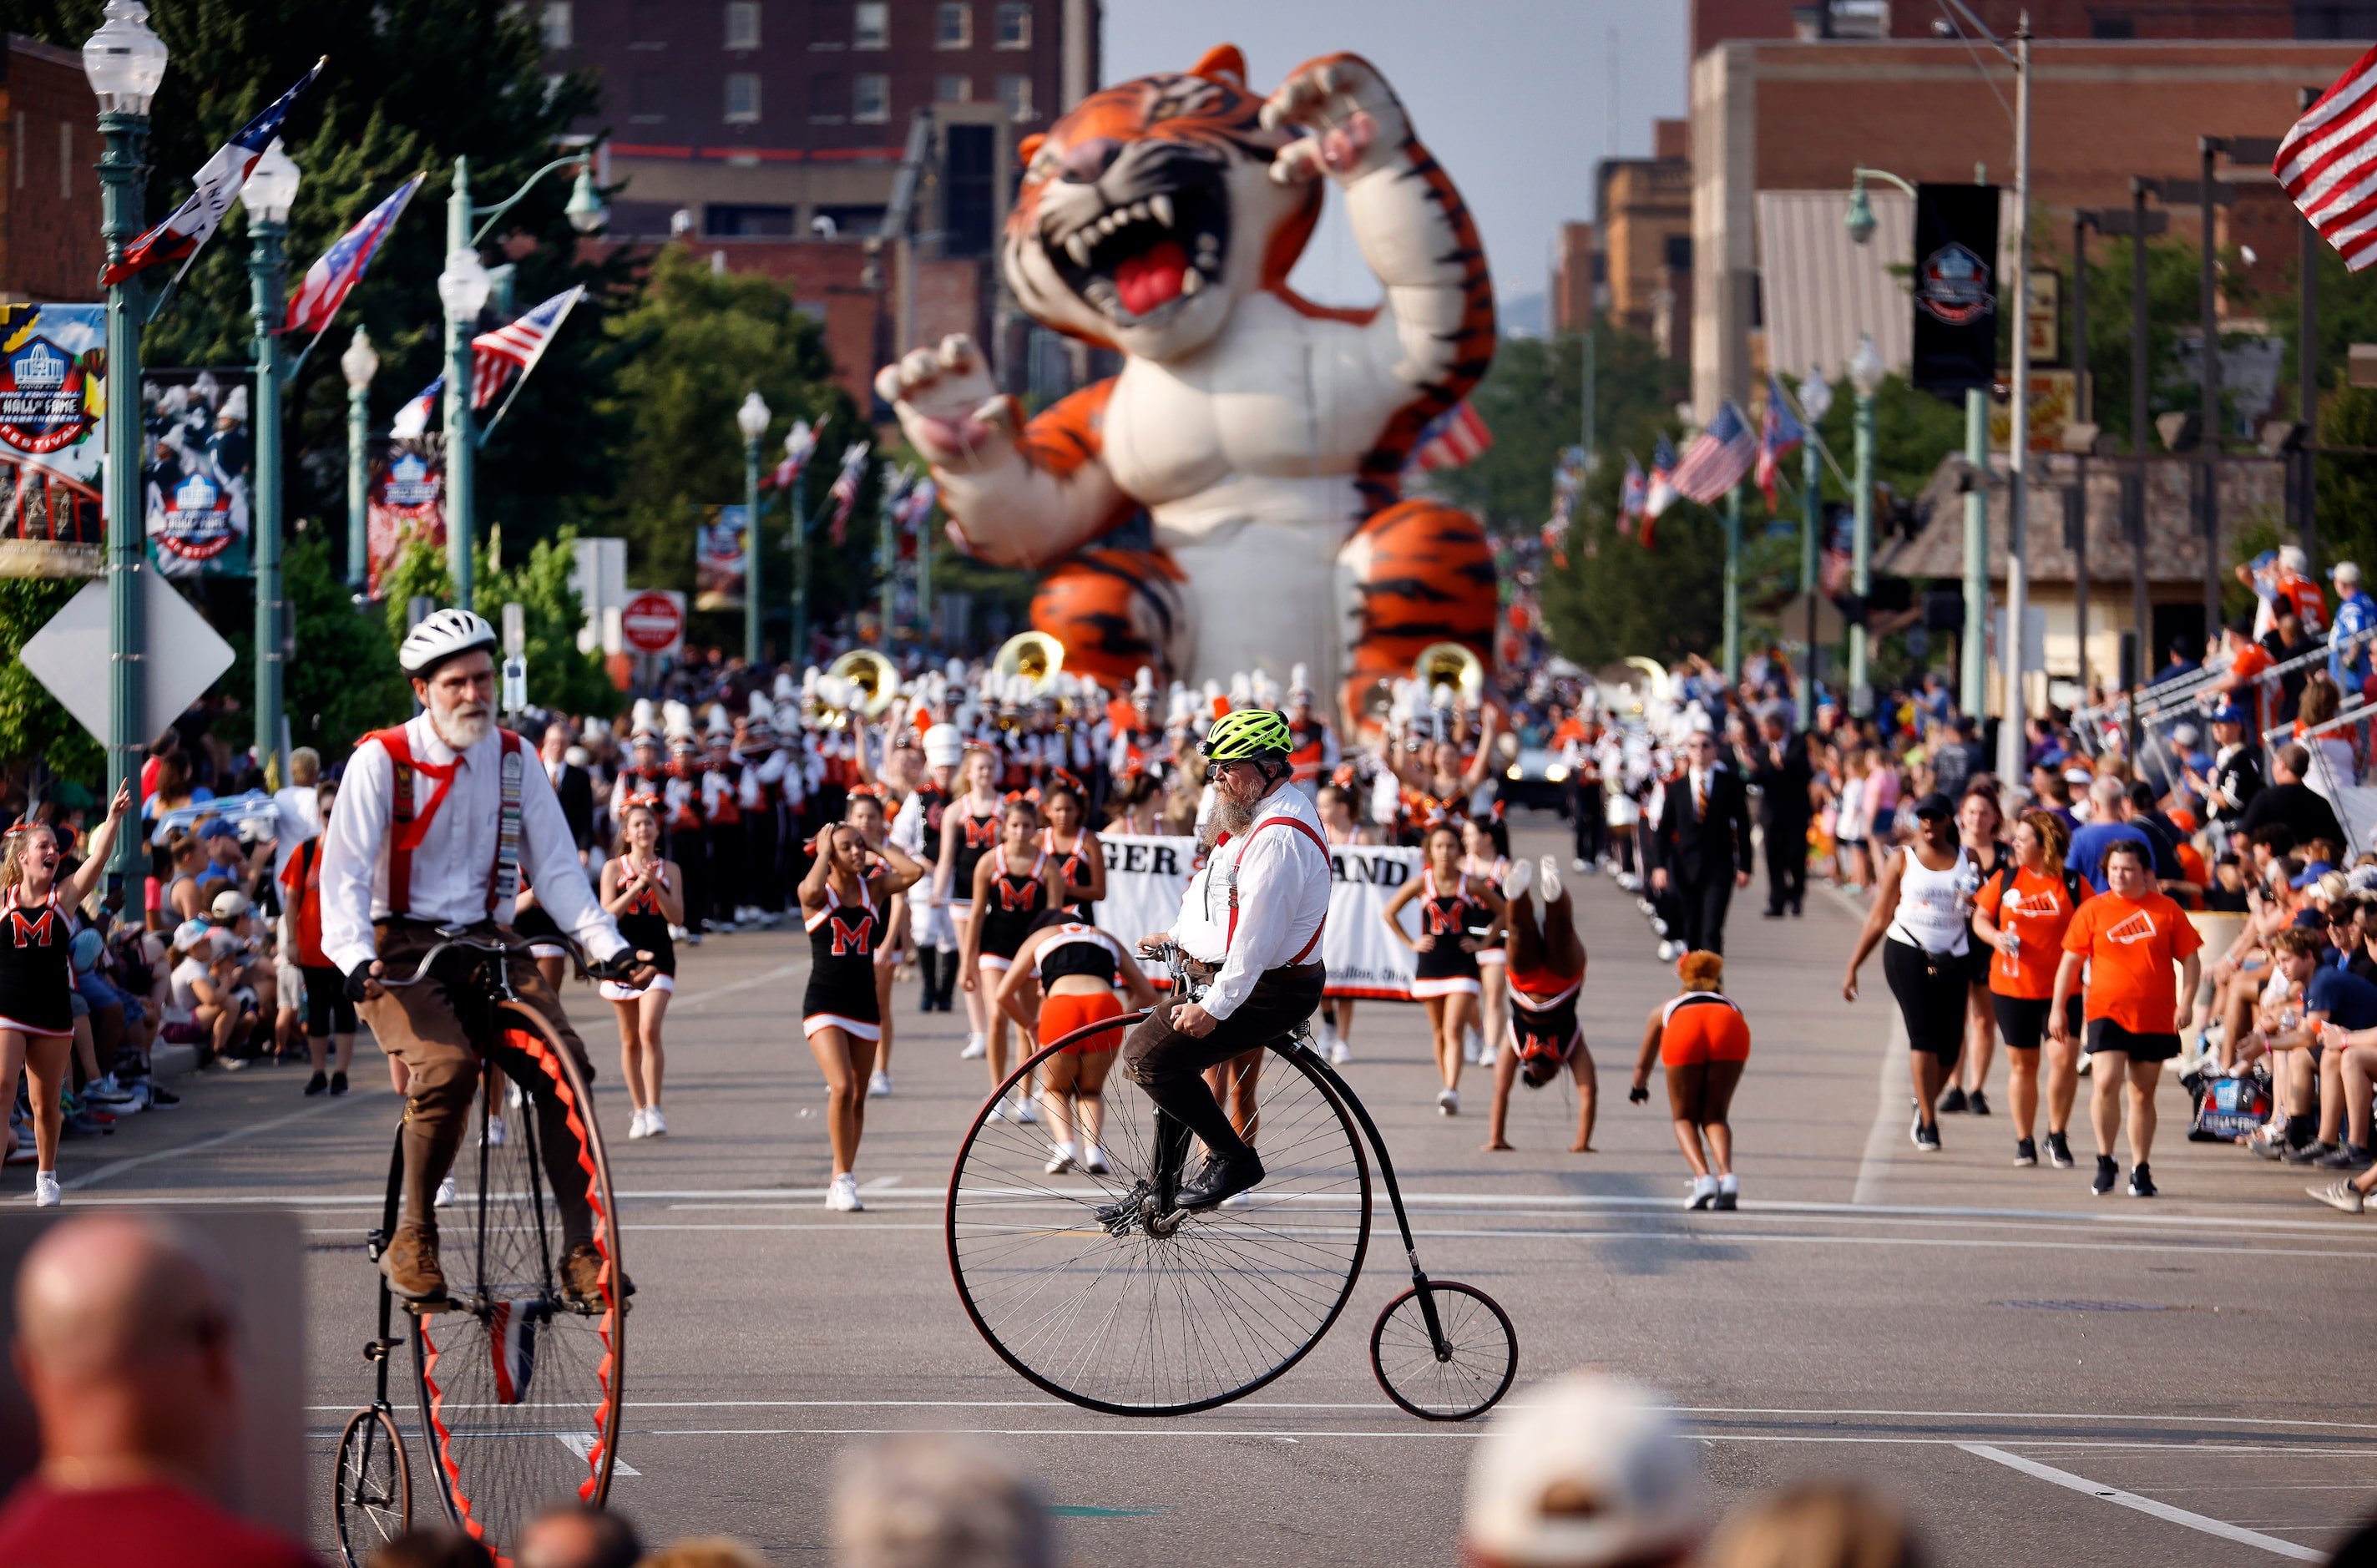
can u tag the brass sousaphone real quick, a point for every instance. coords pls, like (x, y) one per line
(1450, 664)
(867, 671)
(1034, 655)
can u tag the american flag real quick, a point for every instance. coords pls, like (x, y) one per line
(1453, 438)
(412, 421)
(2328, 164)
(181, 234)
(1717, 458)
(1632, 492)
(1659, 495)
(799, 442)
(845, 488)
(509, 351)
(340, 268)
(1778, 432)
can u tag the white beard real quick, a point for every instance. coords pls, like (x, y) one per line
(1229, 816)
(461, 733)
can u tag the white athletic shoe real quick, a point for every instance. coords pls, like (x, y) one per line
(879, 1085)
(636, 1124)
(997, 1112)
(1340, 1053)
(1448, 1103)
(1093, 1160)
(495, 1132)
(655, 1124)
(1547, 880)
(445, 1198)
(842, 1194)
(976, 1048)
(1704, 1193)
(1470, 1047)
(45, 1190)
(1024, 1113)
(1060, 1159)
(1515, 880)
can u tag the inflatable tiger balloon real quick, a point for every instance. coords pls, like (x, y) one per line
(1263, 436)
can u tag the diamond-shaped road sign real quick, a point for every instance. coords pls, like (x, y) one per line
(180, 656)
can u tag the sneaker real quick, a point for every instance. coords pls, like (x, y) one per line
(2058, 1150)
(998, 1110)
(1977, 1103)
(842, 1194)
(2108, 1173)
(1340, 1053)
(1704, 1193)
(2140, 1183)
(1548, 879)
(160, 1100)
(1517, 880)
(1093, 1160)
(2351, 1156)
(1953, 1102)
(1448, 1102)
(445, 1194)
(1576, 864)
(2025, 1152)
(1024, 1113)
(976, 1048)
(1469, 1048)
(2340, 1196)
(2306, 1153)
(317, 1084)
(655, 1123)
(106, 1093)
(1728, 1194)
(1060, 1159)
(879, 1085)
(338, 1084)
(45, 1190)
(496, 1132)
(1926, 1137)
(636, 1122)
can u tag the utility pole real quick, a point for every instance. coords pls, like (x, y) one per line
(2307, 378)
(1812, 511)
(2134, 499)
(2088, 411)
(2208, 451)
(1733, 586)
(2010, 728)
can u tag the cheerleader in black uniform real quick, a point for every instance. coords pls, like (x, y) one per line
(1452, 907)
(969, 830)
(1011, 886)
(37, 973)
(1080, 858)
(843, 903)
(645, 895)
(1546, 973)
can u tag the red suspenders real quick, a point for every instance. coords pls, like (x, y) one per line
(406, 828)
(1300, 826)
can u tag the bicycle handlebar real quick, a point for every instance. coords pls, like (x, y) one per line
(421, 970)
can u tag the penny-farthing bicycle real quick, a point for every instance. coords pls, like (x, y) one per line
(1158, 1311)
(517, 1377)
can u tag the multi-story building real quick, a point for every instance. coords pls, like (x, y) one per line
(1644, 211)
(50, 245)
(773, 134)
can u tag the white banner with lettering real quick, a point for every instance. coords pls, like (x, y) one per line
(1146, 877)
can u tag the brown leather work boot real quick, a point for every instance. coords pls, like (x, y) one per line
(581, 1278)
(410, 1263)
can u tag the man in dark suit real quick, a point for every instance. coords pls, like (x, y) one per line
(570, 783)
(1777, 764)
(1702, 844)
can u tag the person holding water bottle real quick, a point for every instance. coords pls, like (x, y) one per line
(2021, 912)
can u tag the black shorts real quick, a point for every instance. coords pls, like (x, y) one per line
(327, 1011)
(1933, 990)
(2104, 1035)
(2023, 1020)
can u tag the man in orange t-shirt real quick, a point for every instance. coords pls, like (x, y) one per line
(2129, 937)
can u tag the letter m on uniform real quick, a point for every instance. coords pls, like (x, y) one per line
(34, 932)
(851, 937)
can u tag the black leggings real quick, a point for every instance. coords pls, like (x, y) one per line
(1171, 1066)
(1932, 991)
(327, 1011)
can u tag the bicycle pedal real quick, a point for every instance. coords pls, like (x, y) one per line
(431, 1306)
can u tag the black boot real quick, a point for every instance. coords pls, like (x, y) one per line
(928, 966)
(944, 998)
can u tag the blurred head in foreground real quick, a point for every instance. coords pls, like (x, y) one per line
(1816, 1525)
(1586, 1472)
(932, 1502)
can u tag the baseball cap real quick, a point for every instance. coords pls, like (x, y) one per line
(229, 905)
(87, 944)
(2229, 714)
(189, 934)
(216, 826)
(1935, 805)
(2310, 920)
(1587, 1470)
(2079, 776)
(2310, 874)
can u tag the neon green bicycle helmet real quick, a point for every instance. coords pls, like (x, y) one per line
(1249, 735)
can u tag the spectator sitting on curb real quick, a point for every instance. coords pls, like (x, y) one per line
(932, 1501)
(1586, 1472)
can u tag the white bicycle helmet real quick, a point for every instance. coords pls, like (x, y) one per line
(442, 636)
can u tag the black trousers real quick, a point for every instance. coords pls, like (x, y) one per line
(1592, 813)
(1787, 866)
(1171, 1066)
(1701, 899)
(766, 876)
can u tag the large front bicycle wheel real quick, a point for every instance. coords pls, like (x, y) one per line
(1159, 1313)
(521, 1380)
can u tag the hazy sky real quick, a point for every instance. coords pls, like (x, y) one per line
(1514, 97)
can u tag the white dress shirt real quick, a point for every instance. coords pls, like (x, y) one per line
(1283, 880)
(300, 819)
(455, 861)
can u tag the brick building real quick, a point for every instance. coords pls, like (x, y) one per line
(772, 134)
(50, 247)
(1644, 211)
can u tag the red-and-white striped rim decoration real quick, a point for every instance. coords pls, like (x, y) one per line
(2328, 164)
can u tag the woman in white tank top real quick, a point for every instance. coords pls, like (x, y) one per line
(1923, 907)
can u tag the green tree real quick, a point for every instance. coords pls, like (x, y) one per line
(688, 354)
(34, 724)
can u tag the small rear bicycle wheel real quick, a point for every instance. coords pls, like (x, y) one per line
(521, 1385)
(1159, 1315)
(1464, 1376)
(373, 1499)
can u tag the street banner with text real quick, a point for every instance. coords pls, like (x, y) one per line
(1146, 877)
(408, 502)
(197, 472)
(53, 387)
(1955, 289)
(721, 547)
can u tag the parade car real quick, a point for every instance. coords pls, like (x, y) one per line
(1535, 777)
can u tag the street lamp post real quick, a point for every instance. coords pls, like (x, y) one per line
(124, 61)
(800, 647)
(887, 549)
(1866, 371)
(270, 190)
(1733, 586)
(752, 420)
(463, 288)
(359, 363)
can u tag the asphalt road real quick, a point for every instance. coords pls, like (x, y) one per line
(2040, 1375)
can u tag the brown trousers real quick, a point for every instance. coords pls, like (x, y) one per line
(418, 1024)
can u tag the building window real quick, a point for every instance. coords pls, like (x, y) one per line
(1014, 25)
(554, 24)
(952, 90)
(953, 27)
(2112, 27)
(742, 98)
(871, 27)
(66, 159)
(743, 24)
(1016, 93)
(1680, 253)
(870, 99)
(828, 99)
(724, 223)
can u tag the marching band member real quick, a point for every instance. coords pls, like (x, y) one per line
(919, 825)
(681, 813)
(1314, 755)
(721, 819)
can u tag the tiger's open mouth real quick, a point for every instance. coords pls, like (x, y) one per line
(1146, 256)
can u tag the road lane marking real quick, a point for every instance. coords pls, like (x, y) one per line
(1895, 1089)
(781, 971)
(212, 1141)
(582, 1446)
(2163, 1511)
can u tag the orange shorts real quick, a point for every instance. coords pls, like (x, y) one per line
(1060, 1016)
(1696, 1034)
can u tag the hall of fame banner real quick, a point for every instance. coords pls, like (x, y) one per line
(1147, 875)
